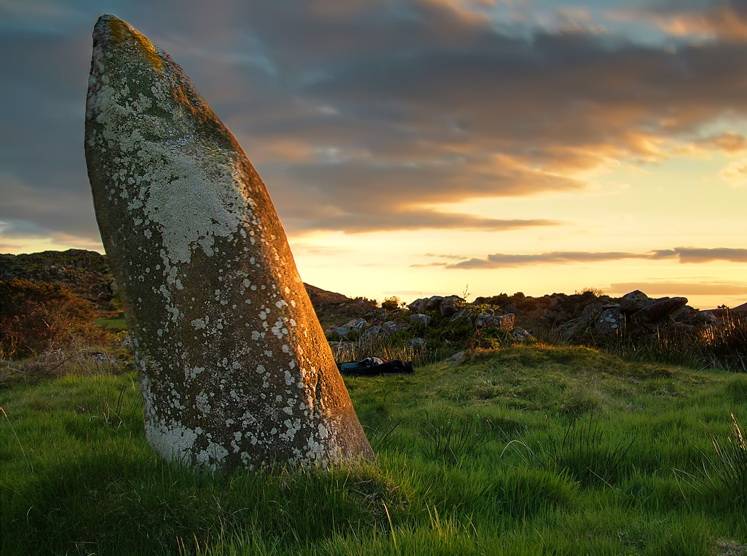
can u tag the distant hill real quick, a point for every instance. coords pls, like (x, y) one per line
(87, 274)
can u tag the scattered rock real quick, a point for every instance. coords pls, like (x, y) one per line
(420, 319)
(345, 330)
(450, 305)
(725, 547)
(373, 331)
(202, 261)
(634, 301)
(488, 319)
(392, 327)
(659, 310)
(706, 317)
(610, 322)
(522, 336)
(356, 324)
(458, 358)
(417, 343)
(445, 306)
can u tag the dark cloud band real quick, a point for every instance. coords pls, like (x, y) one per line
(679, 254)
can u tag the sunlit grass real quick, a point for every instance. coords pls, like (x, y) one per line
(532, 450)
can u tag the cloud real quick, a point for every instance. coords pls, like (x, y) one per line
(703, 255)
(454, 107)
(359, 222)
(679, 254)
(363, 116)
(727, 142)
(500, 260)
(735, 173)
(715, 19)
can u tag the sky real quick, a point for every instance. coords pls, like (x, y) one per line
(420, 147)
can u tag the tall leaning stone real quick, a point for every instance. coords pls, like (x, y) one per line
(235, 368)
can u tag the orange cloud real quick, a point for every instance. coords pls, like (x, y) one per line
(679, 254)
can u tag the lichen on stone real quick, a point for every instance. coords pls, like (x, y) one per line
(235, 368)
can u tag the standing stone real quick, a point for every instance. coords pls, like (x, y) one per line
(235, 368)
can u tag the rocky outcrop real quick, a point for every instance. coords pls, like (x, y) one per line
(444, 305)
(491, 319)
(634, 316)
(85, 273)
(351, 328)
(658, 310)
(235, 367)
(420, 319)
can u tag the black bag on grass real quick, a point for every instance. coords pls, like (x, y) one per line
(373, 366)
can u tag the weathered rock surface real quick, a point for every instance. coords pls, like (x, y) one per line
(345, 330)
(417, 343)
(610, 322)
(235, 367)
(659, 309)
(490, 319)
(446, 306)
(420, 319)
(634, 301)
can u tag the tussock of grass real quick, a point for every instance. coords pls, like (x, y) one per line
(529, 450)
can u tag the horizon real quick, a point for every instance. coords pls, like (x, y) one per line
(526, 146)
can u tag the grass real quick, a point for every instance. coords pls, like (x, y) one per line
(722, 345)
(528, 450)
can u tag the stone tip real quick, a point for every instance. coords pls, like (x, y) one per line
(110, 31)
(102, 28)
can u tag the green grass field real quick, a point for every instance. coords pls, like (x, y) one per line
(533, 450)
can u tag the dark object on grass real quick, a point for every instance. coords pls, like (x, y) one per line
(373, 366)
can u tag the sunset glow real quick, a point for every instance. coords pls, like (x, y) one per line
(430, 146)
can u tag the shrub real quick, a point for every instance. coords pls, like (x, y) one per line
(37, 316)
(725, 344)
(391, 303)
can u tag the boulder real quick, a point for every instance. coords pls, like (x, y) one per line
(340, 331)
(356, 324)
(706, 317)
(522, 336)
(462, 314)
(425, 304)
(444, 305)
(659, 310)
(235, 368)
(488, 319)
(392, 327)
(577, 329)
(634, 301)
(450, 305)
(372, 332)
(353, 326)
(417, 343)
(610, 321)
(420, 319)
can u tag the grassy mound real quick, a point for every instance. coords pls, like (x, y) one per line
(533, 450)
